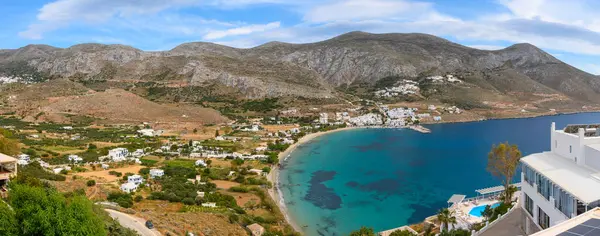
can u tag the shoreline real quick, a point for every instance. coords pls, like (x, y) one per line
(273, 176)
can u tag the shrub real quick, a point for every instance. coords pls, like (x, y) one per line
(239, 189)
(123, 199)
(91, 183)
(138, 198)
(188, 201)
(112, 172)
(144, 171)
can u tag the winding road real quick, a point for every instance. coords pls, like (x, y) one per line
(132, 222)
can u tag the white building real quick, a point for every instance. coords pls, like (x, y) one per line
(261, 149)
(118, 154)
(24, 157)
(138, 153)
(156, 173)
(323, 118)
(209, 204)
(135, 179)
(74, 158)
(253, 128)
(146, 132)
(201, 163)
(564, 182)
(129, 187)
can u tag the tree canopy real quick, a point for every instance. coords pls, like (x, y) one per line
(363, 231)
(45, 211)
(503, 160)
(8, 146)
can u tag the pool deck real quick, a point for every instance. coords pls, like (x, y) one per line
(462, 210)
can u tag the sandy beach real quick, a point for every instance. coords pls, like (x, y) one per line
(273, 176)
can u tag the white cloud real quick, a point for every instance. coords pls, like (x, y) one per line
(486, 47)
(364, 10)
(243, 30)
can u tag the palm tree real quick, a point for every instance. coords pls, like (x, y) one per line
(446, 217)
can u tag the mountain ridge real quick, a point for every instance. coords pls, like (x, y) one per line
(316, 69)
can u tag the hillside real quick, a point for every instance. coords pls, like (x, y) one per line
(331, 69)
(122, 106)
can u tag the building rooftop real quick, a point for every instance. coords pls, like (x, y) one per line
(581, 182)
(583, 225)
(6, 158)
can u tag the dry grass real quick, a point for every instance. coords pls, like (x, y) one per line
(102, 176)
(243, 198)
(167, 219)
(223, 184)
(106, 144)
(121, 106)
(273, 128)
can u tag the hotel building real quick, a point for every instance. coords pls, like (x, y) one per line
(565, 182)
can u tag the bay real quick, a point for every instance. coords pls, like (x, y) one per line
(386, 178)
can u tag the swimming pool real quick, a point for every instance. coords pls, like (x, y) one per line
(476, 211)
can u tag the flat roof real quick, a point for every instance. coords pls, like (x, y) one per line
(579, 181)
(594, 146)
(495, 189)
(585, 224)
(456, 198)
(6, 158)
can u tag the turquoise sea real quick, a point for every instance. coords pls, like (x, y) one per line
(386, 178)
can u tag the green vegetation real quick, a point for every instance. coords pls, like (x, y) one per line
(42, 210)
(90, 183)
(503, 161)
(8, 146)
(123, 199)
(181, 163)
(265, 105)
(402, 233)
(36, 171)
(446, 217)
(363, 231)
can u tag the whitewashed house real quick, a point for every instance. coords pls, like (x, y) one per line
(201, 163)
(136, 179)
(209, 204)
(154, 173)
(146, 132)
(261, 149)
(219, 138)
(288, 141)
(129, 187)
(105, 166)
(74, 158)
(138, 153)
(24, 157)
(564, 182)
(118, 154)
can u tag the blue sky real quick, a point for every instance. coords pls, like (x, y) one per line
(569, 30)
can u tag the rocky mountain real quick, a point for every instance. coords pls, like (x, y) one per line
(314, 70)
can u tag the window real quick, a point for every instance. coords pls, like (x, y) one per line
(543, 219)
(555, 143)
(529, 175)
(529, 204)
(570, 149)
